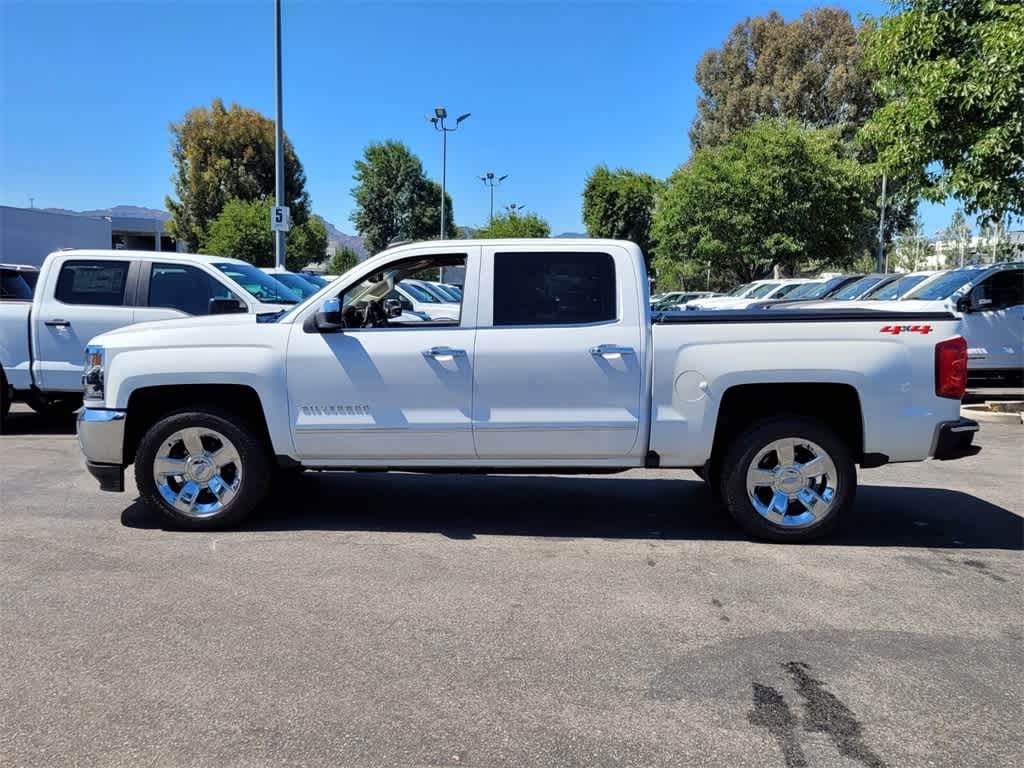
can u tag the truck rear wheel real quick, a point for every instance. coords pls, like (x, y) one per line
(788, 479)
(202, 470)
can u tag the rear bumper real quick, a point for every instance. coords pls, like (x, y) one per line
(955, 438)
(101, 437)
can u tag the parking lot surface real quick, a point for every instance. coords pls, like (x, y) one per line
(406, 620)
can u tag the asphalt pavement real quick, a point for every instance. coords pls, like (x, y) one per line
(406, 620)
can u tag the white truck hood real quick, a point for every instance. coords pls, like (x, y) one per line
(906, 305)
(185, 323)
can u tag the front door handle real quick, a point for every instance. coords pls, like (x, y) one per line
(444, 353)
(611, 350)
(58, 323)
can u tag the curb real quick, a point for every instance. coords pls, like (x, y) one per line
(981, 414)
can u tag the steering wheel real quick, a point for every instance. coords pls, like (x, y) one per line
(376, 317)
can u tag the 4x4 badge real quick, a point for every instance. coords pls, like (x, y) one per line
(896, 330)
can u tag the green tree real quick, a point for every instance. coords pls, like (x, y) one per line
(911, 250)
(306, 244)
(952, 79)
(620, 205)
(342, 261)
(221, 154)
(394, 198)
(514, 224)
(956, 241)
(809, 70)
(242, 231)
(777, 194)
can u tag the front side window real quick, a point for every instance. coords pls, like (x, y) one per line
(296, 283)
(185, 288)
(369, 303)
(554, 288)
(100, 283)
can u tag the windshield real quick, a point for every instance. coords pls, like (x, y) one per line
(258, 284)
(739, 290)
(762, 291)
(455, 291)
(786, 290)
(420, 294)
(945, 286)
(801, 291)
(445, 293)
(856, 288)
(894, 290)
(315, 279)
(297, 283)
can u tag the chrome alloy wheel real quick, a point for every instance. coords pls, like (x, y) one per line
(197, 471)
(792, 482)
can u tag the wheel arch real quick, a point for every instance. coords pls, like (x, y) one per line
(147, 405)
(835, 405)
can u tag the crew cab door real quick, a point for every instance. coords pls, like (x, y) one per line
(82, 298)
(995, 332)
(402, 392)
(559, 353)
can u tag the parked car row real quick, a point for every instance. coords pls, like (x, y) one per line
(989, 298)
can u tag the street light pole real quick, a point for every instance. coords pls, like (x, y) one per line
(278, 136)
(440, 114)
(489, 180)
(880, 266)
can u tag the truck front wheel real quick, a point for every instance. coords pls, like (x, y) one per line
(788, 479)
(202, 470)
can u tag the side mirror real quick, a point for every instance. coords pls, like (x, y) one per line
(392, 308)
(328, 318)
(226, 306)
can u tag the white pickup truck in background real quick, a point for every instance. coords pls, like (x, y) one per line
(552, 365)
(83, 293)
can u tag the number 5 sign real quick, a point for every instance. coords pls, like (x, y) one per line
(280, 218)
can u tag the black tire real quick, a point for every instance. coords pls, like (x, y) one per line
(54, 407)
(746, 447)
(256, 467)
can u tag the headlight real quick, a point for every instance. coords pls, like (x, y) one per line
(92, 375)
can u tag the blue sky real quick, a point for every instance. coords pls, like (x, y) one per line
(88, 90)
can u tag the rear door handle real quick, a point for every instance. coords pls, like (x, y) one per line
(611, 350)
(58, 323)
(444, 353)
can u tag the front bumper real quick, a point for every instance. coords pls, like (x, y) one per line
(101, 436)
(955, 440)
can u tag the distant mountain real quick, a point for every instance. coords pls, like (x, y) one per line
(573, 235)
(337, 238)
(135, 211)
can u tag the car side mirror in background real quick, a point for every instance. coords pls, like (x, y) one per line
(392, 308)
(226, 306)
(328, 317)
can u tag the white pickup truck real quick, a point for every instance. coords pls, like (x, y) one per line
(553, 365)
(82, 293)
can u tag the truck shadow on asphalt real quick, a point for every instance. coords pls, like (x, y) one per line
(610, 507)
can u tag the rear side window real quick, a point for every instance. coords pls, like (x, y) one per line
(185, 288)
(553, 288)
(100, 283)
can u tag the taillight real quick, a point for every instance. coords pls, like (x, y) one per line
(951, 368)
